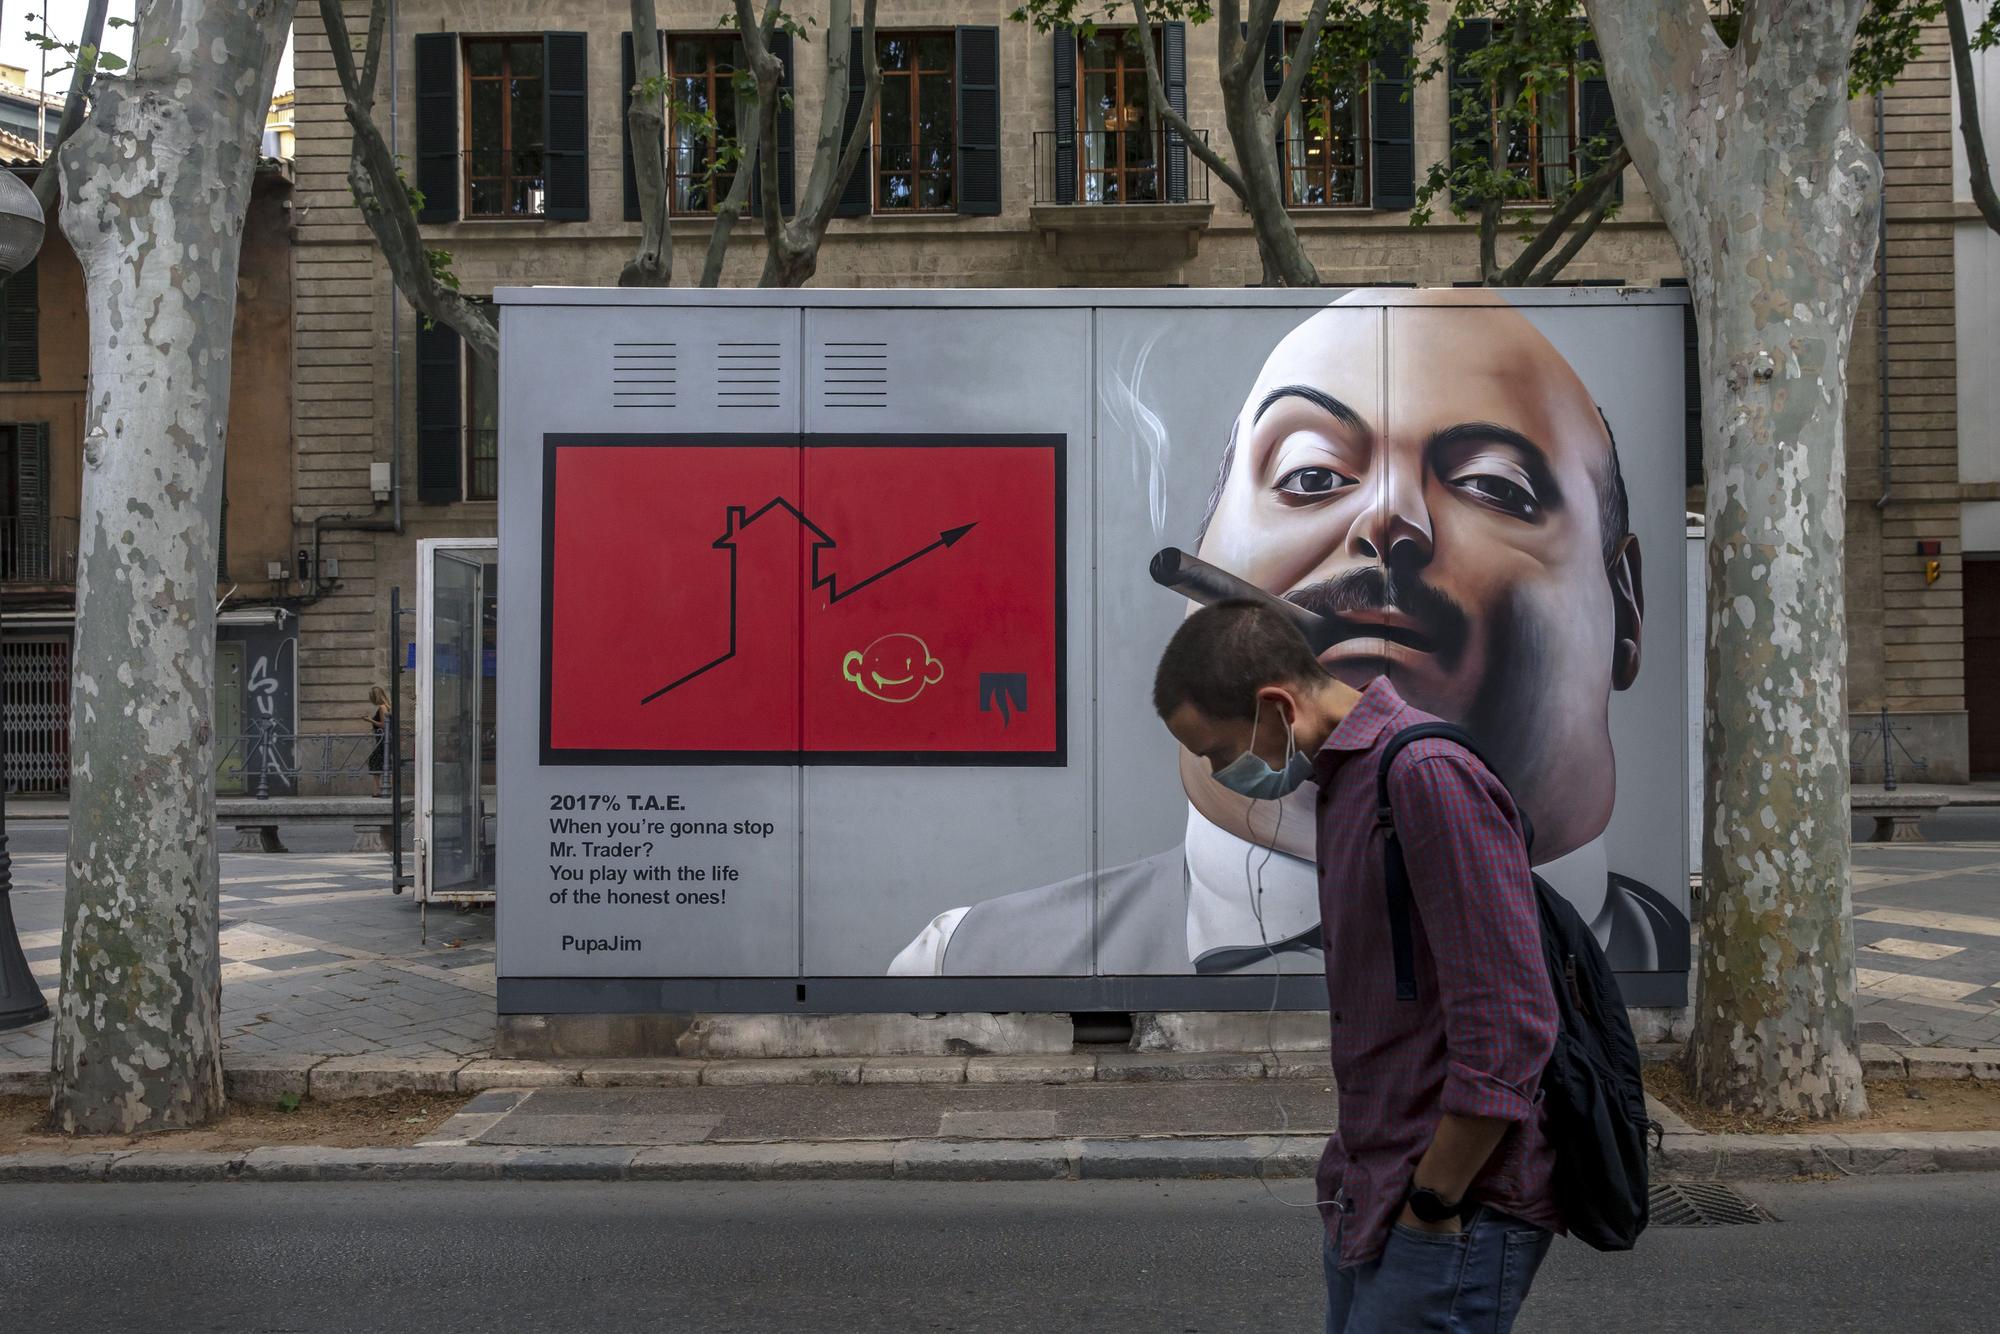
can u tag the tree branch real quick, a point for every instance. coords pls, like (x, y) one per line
(371, 63)
(1543, 276)
(766, 73)
(385, 206)
(833, 119)
(1157, 90)
(1230, 46)
(652, 264)
(738, 198)
(1595, 191)
(1302, 62)
(1978, 169)
(48, 183)
(1263, 13)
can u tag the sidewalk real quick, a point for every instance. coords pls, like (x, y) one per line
(322, 961)
(318, 957)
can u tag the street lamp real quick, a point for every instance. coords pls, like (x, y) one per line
(21, 1000)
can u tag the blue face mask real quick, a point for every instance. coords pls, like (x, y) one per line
(1248, 775)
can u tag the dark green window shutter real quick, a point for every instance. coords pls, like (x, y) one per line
(21, 325)
(1469, 93)
(858, 199)
(440, 414)
(1392, 139)
(1595, 116)
(1065, 117)
(31, 519)
(1691, 449)
(565, 126)
(437, 125)
(1173, 72)
(979, 120)
(781, 47)
(628, 67)
(1274, 57)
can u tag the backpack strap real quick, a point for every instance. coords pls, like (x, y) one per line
(1395, 873)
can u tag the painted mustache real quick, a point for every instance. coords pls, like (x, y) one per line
(1376, 603)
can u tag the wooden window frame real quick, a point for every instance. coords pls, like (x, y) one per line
(878, 174)
(507, 178)
(1324, 174)
(1535, 165)
(1123, 173)
(719, 86)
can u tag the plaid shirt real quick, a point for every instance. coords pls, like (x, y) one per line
(1484, 1021)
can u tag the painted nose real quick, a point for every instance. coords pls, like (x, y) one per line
(1395, 528)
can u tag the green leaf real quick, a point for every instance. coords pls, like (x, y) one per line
(288, 1102)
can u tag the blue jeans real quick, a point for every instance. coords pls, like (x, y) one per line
(1470, 1282)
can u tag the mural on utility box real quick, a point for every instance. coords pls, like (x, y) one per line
(1433, 492)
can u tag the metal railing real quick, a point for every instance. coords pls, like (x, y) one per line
(1873, 746)
(1114, 167)
(35, 549)
(272, 761)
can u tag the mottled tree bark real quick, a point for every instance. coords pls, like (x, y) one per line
(652, 265)
(157, 180)
(1772, 201)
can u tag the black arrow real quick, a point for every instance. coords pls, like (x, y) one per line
(834, 594)
(739, 517)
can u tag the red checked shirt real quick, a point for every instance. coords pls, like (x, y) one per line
(1475, 1039)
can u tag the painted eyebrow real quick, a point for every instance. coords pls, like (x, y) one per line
(1495, 434)
(1319, 398)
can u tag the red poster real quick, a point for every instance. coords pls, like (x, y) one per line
(739, 599)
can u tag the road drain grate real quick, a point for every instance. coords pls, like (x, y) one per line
(1701, 1204)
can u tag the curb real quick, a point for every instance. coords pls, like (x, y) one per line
(328, 1078)
(1269, 1157)
(331, 1077)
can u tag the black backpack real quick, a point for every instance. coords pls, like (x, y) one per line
(1596, 1106)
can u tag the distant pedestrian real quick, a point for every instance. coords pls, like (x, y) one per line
(1436, 1192)
(378, 723)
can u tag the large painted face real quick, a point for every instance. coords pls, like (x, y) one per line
(894, 669)
(1430, 474)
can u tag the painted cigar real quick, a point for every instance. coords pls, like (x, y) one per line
(1198, 581)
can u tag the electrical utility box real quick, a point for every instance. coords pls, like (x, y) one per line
(828, 624)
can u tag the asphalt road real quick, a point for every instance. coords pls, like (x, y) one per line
(1904, 1253)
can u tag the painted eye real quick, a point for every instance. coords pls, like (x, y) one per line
(1501, 493)
(1313, 481)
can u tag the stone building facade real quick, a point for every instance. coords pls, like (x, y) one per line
(44, 370)
(1044, 130)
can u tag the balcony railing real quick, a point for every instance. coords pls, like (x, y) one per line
(37, 550)
(1110, 167)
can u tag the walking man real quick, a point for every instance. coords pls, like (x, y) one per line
(1435, 1192)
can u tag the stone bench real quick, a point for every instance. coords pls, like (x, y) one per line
(256, 821)
(1898, 816)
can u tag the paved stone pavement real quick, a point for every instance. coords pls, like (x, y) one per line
(320, 958)
(318, 955)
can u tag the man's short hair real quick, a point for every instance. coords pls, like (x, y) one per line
(1614, 511)
(1221, 656)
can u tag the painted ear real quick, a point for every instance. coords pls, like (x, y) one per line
(933, 672)
(850, 667)
(1628, 613)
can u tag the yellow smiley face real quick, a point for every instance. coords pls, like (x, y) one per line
(894, 669)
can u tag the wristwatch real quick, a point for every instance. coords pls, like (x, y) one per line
(1430, 1206)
